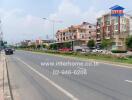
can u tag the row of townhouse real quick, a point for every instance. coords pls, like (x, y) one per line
(107, 27)
(79, 35)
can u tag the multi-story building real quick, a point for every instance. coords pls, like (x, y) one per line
(25, 43)
(79, 34)
(115, 28)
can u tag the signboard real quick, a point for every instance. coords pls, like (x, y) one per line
(117, 11)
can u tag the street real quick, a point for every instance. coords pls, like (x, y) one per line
(32, 81)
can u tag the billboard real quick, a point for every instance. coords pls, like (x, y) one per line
(117, 11)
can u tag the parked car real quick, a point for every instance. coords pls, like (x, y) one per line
(65, 49)
(79, 50)
(8, 51)
(97, 50)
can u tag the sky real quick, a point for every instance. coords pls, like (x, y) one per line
(22, 19)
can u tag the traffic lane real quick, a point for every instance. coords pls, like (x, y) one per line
(26, 85)
(96, 78)
(109, 70)
(75, 89)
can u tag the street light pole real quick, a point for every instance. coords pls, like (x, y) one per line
(53, 30)
(53, 22)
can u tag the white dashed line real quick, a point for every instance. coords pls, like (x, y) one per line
(129, 81)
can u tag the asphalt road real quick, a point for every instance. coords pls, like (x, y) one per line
(40, 77)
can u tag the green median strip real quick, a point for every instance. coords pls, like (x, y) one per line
(87, 56)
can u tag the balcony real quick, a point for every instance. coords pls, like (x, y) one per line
(121, 36)
(98, 39)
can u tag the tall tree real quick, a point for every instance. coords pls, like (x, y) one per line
(91, 43)
(129, 42)
(106, 43)
(53, 46)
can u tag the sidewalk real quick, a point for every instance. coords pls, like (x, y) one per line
(4, 80)
(1, 78)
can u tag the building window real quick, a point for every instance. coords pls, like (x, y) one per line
(108, 29)
(119, 44)
(116, 27)
(90, 26)
(75, 37)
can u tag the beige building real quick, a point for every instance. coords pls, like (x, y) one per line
(114, 28)
(79, 34)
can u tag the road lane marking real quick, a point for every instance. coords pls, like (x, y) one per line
(129, 81)
(50, 81)
(122, 66)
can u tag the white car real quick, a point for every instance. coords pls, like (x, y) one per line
(97, 50)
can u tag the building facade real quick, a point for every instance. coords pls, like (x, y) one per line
(114, 28)
(79, 34)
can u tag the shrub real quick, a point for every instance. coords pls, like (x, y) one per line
(118, 51)
(129, 42)
(91, 43)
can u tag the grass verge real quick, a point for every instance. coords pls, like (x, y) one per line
(97, 56)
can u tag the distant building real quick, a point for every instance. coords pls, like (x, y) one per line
(45, 42)
(78, 34)
(25, 43)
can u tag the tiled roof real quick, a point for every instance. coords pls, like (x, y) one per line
(117, 7)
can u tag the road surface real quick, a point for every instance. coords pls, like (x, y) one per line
(40, 77)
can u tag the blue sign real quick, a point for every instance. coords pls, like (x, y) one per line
(117, 11)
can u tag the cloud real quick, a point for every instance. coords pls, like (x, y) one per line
(72, 14)
(18, 25)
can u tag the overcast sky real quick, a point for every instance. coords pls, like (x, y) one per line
(22, 19)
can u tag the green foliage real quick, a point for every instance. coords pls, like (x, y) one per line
(44, 46)
(91, 43)
(106, 43)
(129, 42)
(53, 46)
(67, 45)
(38, 46)
(118, 51)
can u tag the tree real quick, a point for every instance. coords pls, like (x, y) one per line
(53, 46)
(129, 42)
(33, 46)
(38, 46)
(67, 45)
(91, 43)
(44, 46)
(106, 43)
